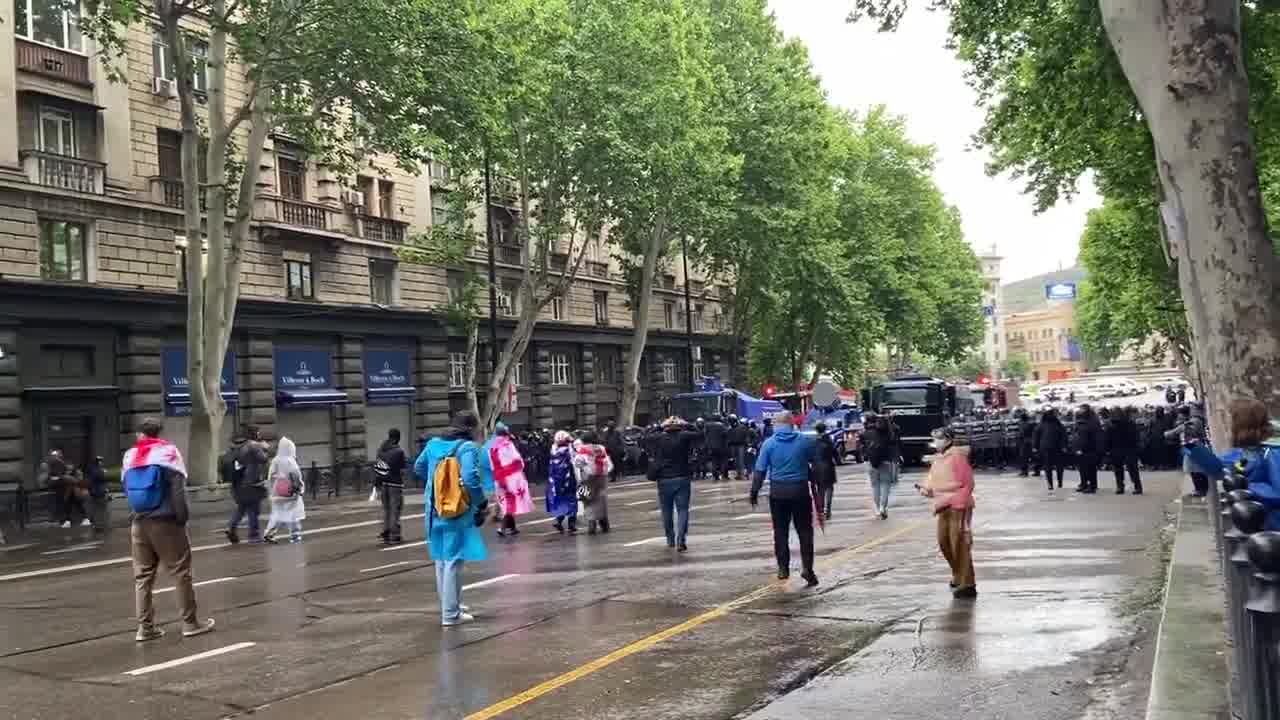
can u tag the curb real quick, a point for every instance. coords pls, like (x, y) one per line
(1189, 678)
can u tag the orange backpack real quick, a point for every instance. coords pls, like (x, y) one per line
(451, 497)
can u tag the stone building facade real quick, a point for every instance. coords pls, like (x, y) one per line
(335, 339)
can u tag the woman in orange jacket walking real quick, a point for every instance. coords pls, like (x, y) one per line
(950, 486)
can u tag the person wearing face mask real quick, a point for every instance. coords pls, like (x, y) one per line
(950, 487)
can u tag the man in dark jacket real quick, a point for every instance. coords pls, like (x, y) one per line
(616, 448)
(717, 443)
(96, 476)
(739, 440)
(1026, 442)
(1050, 443)
(824, 467)
(159, 535)
(786, 458)
(388, 473)
(673, 448)
(1190, 427)
(1088, 445)
(1122, 444)
(243, 467)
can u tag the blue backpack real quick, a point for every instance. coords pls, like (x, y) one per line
(145, 487)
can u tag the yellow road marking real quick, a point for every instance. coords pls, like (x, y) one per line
(643, 644)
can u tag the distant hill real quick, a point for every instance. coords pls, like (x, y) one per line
(1026, 295)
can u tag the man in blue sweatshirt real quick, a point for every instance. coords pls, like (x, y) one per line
(785, 458)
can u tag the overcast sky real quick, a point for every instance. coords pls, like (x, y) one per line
(914, 75)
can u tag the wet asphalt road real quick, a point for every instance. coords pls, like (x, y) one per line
(616, 625)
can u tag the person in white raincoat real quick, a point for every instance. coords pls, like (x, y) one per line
(284, 482)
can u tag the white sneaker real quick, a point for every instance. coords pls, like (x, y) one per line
(85, 523)
(463, 619)
(66, 524)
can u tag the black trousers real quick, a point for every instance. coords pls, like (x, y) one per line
(719, 462)
(1200, 482)
(1053, 461)
(785, 511)
(1126, 461)
(1025, 458)
(1088, 466)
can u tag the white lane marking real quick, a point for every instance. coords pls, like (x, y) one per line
(73, 548)
(190, 658)
(750, 515)
(403, 546)
(543, 521)
(390, 565)
(490, 581)
(641, 502)
(646, 541)
(214, 581)
(200, 548)
(695, 507)
(11, 548)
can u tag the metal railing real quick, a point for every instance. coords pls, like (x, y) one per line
(303, 214)
(381, 229)
(1251, 568)
(63, 172)
(168, 191)
(51, 61)
(598, 269)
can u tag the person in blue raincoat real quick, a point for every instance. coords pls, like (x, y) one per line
(562, 486)
(457, 540)
(1248, 455)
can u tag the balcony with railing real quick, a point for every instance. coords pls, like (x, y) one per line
(598, 269)
(168, 192)
(298, 213)
(381, 229)
(62, 172)
(51, 62)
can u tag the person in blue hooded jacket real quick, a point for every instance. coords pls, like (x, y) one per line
(1259, 462)
(457, 540)
(786, 458)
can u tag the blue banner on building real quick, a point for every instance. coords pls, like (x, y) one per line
(387, 378)
(305, 378)
(1060, 291)
(177, 386)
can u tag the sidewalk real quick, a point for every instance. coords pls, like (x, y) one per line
(1189, 679)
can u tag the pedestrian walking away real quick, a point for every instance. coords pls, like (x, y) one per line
(592, 467)
(1050, 441)
(787, 459)
(449, 467)
(155, 483)
(1088, 444)
(883, 452)
(388, 474)
(287, 507)
(511, 488)
(1122, 443)
(616, 448)
(824, 468)
(99, 503)
(716, 435)
(670, 468)
(950, 487)
(243, 467)
(562, 488)
(739, 442)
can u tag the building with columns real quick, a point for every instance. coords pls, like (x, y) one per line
(335, 340)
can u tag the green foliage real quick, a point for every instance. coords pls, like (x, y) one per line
(1059, 106)
(1132, 294)
(1016, 367)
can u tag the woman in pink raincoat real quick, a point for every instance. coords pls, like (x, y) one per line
(510, 485)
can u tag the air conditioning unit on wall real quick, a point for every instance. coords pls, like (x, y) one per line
(165, 87)
(354, 198)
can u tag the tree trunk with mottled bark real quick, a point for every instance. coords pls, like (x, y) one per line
(656, 245)
(1183, 59)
